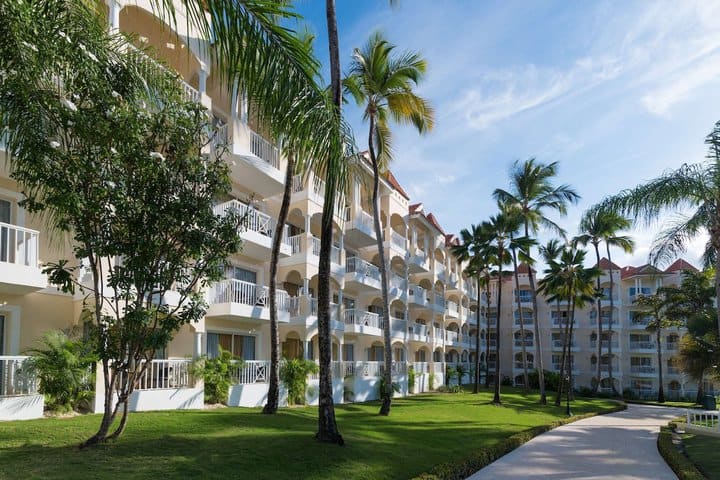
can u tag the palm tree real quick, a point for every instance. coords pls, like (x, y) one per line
(693, 187)
(383, 83)
(656, 306)
(499, 228)
(533, 193)
(597, 226)
(475, 249)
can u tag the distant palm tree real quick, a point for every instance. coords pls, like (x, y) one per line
(383, 83)
(656, 305)
(597, 226)
(499, 228)
(695, 187)
(475, 250)
(533, 193)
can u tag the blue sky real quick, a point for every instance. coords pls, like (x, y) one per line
(616, 91)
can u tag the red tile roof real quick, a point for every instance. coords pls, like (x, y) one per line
(415, 208)
(646, 269)
(525, 268)
(395, 184)
(434, 221)
(679, 266)
(605, 264)
(451, 240)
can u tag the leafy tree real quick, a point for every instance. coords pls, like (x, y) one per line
(64, 368)
(217, 374)
(383, 83)
(694, 188)
(597, 226)
(293, 374)
(115, 160)
(532, 191)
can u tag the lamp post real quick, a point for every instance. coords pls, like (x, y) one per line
(567, 395)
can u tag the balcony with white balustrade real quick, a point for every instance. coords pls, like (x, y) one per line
(232, 299)
(419, 333)
(256, 230)
(305, 249)
(418, 262)
(417, 296)
(362, 322)
(452, 310)
(19, 397)
(440, 271)
(395, 243)
(303, 311)
(20, 271)
(398, 328)
(438, 304)
(452, 338)
(397, 286)
(360, 230)
(255, 160)
(312, 189)
(361, 275)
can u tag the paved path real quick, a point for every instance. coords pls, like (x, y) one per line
(618, 446)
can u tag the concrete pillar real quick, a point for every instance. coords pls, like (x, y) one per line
(197, 351)
(114, 15)
(306, 286)
(202, 80)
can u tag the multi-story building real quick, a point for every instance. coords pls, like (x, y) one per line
(433, 305)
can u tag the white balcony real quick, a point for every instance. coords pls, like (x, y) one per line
(19, 397)
(360, 321)
(398, 327)
(303, 311)
(643, 346)
(398, 286)
(306, 249)
(417, 296)
(642, 370)
(452, 310)
(20, 272)
(359, 231)
(452, 337)
(239, 300)
(419, 333)
(438, 305)
(361, 274)
(256, 230)
(418, 262)
(440, 270)
(255, 161)
(148, 65)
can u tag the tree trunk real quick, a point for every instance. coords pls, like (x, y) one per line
(327, 426)
(599, 319)
(610, 324)
(717, 286)
(569, 359)
(387, 371)
(661, 390)
(563, 357)
(496, 397)
(273, 399)
(487, 332)
(700, 391)
(536, 329)
(108, 410)
(476, 386)
(522, 321)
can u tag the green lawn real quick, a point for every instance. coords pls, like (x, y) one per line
(422, 431)
(667, 403)
(702, 451)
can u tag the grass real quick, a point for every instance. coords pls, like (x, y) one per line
(702, 451)
(667, 403)
(421, 432)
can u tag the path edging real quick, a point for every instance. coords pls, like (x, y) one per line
(675, 459)
(462, 469)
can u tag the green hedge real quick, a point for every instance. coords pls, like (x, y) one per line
(675, 459)
(484, 457)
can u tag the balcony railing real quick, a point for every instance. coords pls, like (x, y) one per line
(672, 345)
(250, 371)
(397, 281)
(418, 293)
(439, 269)
(16, 377)
(397, 240)
(606, 368)
(18, 245)
(642, 369)
(451, 336)
(295, 243)
(253, 220)
(360, 266)
(642, 345)
(528, 343)
(161, 374)
(334, 251)
(419, 329)
(673, 370)
(354, 316)
(438, 333)
(519, 365)
(265, 150)
(452, 308)
(148, 65)
(398, 325)
(246, 293)
(615, 344)
(561, 343)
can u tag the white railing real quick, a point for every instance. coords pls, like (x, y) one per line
(672, 370)
(606, 368)
(642, 369)
(398, 325)
(251, 371)
(295, 243)
(354, 316)
(360, 266)
(419, 329)
(297, 184)
(222, 136)
(246, 293)
(642, 345)
(451, 336)
(254, 220)
(16, 377)
(190, 94)
(161, 374)
(439, 333)
(334, 251)
(364, 221)
(264, 149)
(528, 343)
(418, 293)
(452, 307)
(672, 345)
(397, 281)
(615, 344)
(18, 245)
(703, 420)
(397, 240)
(439, 300)
(439, 269)
(561, 343)
(421, 367)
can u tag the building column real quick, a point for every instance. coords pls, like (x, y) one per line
(114, 15)
(197, 351)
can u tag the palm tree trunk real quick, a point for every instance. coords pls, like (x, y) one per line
(387, 371)
(496, 397)
(273, 399)
(522, 319)
(476, 386)
(610, 323)
(536, 329)
(487, 332)
(599, 319)
(570, 393)
(563, 357)
(700, 391)
(661, 391)
(327, 426)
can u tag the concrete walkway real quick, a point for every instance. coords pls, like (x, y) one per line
(618, 446)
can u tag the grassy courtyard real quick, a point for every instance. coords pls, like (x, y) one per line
(702, 451)
(421, 432)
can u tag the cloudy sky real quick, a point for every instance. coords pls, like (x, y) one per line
(616, 91)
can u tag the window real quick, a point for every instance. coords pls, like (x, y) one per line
(524, 295)
(399, 314)
(375, 309)
(420, 356)
(242, 346)
(632, 291)
(348, 352)
(375, 354)
(399, 354)
(4, 231)
(348, 303)
(239, 273)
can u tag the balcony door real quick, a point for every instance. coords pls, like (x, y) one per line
(5, 208)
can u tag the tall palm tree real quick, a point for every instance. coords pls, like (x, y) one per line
(656, 306)
(499, 228)
(533, 192)
(383, 83)
(597, 226)
(693, 187)
(475, 250)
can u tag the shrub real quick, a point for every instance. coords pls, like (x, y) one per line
(461, 372)
(411, 379)
(217, 375)
(585, 391)
(381, 387)
(506, 381)
(679, 463)
(552, 380)
(450, 389)
(450, 373)
(629, 394)
(64, 368)
(294, 373)
(431, 381)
